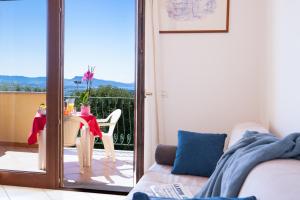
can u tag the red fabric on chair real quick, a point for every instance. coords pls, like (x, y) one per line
(38, 125)
(93, 124)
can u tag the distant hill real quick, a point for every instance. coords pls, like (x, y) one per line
(69, 84)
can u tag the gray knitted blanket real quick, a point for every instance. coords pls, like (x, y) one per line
(235, 165)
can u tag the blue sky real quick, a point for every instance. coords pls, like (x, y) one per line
(97, 32)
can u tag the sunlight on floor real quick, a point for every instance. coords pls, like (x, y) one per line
(103, 174)
(103, 171)
(19, 159)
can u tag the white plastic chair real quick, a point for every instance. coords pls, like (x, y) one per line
(107, 138)
(71, 128)
(42, 149)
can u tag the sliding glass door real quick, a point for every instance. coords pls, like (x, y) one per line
(23, 39)
(26, 69)
(103, 89)
(100, 63)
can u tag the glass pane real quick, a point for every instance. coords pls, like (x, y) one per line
(100, 34)
(23, 28)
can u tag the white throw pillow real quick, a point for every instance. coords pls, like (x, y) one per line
(239, 130)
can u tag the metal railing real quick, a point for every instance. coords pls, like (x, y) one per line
(101, 107)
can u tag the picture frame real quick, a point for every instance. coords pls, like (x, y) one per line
(193, 16)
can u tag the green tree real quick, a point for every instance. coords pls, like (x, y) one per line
(27, 89)
(18, 87)
(4, 87)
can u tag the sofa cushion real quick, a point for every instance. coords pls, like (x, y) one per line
(239, 130)
(274, 180)
(143, 196)
(198, 153)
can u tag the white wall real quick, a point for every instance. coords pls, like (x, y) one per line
(284, 67)
(212, 81)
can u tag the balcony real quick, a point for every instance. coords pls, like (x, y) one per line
(17, 110)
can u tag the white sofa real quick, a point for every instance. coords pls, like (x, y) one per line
(273, 180)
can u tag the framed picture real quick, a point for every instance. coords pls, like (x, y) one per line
(193, 16)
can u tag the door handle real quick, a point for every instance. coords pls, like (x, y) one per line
(147, 94)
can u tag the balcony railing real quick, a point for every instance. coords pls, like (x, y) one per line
(101, 107)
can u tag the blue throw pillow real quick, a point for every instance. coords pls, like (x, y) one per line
(198, 153)
(143, 196)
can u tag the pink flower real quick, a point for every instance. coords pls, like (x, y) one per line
(88, 76)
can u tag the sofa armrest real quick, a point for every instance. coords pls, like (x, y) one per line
(165, 154)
